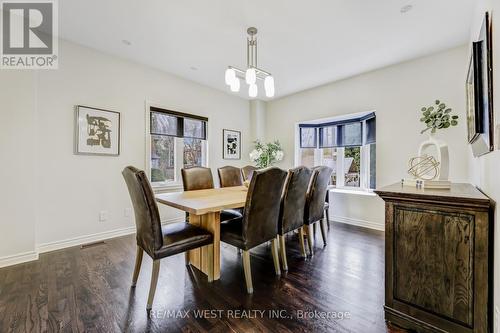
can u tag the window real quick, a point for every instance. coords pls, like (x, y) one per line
(346, 145)
(177, 141)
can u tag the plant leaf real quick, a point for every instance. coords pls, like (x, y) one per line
(454, 123)
(437, 102)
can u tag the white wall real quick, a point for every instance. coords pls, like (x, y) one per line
(258, 120)
(397, 94)
(484, 170)
(70, 190)
(18, 165)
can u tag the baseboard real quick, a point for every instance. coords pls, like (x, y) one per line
(18, 258)
(359, 223)
(75, 241)
(100, 236)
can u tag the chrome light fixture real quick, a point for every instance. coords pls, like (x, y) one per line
(252, 73)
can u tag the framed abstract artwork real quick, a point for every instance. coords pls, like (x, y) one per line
(231, 144)
(97, 131)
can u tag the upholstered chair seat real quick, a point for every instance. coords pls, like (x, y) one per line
(259, 223)
(315, 202)
(292, 208)
(247, 172)
(156, 240)
(230, 176)
(199, 178)
(181, 237)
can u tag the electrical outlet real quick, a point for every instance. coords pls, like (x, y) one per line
(127, 212)
(103, 216)
(497, 320)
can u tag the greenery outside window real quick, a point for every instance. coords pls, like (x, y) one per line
(176, 140)
(346, 145)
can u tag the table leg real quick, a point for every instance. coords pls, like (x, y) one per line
(202, 258)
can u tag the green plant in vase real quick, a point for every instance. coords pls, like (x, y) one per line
(437, 117)
(266, 154)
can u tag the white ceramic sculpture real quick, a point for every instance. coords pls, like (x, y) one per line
(440, 154)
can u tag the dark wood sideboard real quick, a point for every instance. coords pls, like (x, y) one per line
(438, 258)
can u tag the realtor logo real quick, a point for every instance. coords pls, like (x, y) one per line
(29, 34)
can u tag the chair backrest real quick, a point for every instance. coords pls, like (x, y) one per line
(293, 201)
(147, 218)
(315, 201)
(247, 172)
(260, 218)
(197, 178)
(230, 176)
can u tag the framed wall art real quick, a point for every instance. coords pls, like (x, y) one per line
(481, 79)
(97, 131)
(231, 144)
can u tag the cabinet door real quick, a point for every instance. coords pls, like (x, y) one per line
(433, 262)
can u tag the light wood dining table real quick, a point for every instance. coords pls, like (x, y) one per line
(204, 207)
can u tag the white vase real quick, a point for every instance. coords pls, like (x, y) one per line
(441, 155)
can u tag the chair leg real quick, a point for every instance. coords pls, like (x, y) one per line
(138, 262)
(327, 214)
(283, 252)
(310, 238)
(323, 230)
(276, 258)
(154, 281)
(248, 271)
(186, 256)
(301, 240)
(210, 256)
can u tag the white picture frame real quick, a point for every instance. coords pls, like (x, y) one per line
(97, 131)
(231, 144)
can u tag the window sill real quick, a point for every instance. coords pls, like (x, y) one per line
(157, 189)
(352, 191)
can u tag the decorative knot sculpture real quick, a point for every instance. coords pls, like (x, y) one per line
(423, 167)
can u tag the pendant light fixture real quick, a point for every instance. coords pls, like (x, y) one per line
(252, 74)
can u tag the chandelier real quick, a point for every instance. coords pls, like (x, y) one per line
(252, 73)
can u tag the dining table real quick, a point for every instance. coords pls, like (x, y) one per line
(204, 207)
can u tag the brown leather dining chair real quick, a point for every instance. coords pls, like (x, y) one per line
(200, 178)
(293, 204)
(247, 172)
(197, 178)
(259, 223)
(315, 203)
(158, 241)
(230, 176)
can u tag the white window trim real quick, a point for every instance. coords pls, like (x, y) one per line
(364, 182)
(169, 186)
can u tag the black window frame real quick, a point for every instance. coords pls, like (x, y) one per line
(180, 116)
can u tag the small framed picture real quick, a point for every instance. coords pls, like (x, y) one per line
(97, 131)
(231, 144)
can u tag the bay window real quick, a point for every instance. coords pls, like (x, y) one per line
(347, 145)
(176, 140)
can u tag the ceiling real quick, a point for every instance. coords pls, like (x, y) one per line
(302, 43)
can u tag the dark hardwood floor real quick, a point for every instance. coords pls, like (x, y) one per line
(88, 290)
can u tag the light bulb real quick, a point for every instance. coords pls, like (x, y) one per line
(235, 85)
(250, 76)
(230, 76)
(269, 86)
(252, 90)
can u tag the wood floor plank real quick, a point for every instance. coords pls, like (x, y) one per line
(89, 290)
